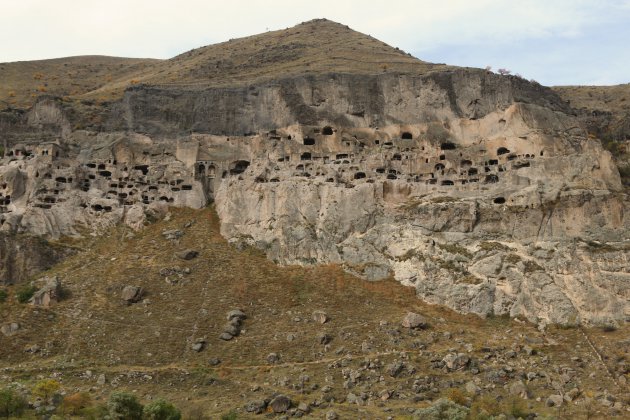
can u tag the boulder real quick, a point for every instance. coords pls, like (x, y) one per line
(187, 254)
(236, 313)
(320, 317)
(49, 294)
(280, 404)
(456, 361)
(10, 328)
(132, 294)
(226, 336)
(413, 320)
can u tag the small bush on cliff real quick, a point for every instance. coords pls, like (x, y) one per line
(442, 409)
(75, 404)
(3, 295)
(46, 389)
(25, 293)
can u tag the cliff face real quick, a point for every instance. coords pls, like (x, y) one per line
(483, 192)
(22, 257)
(344, 100)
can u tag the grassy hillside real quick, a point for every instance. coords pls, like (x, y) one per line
(314, 47)
(146, 347)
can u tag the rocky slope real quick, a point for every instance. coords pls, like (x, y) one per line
(483, 192)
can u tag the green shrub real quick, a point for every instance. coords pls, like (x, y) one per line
(124, 406)
(3, 295)
(230, 416)
(161, 410)
(12, 404)
(442, 409)
(25, 293)
(46, 389)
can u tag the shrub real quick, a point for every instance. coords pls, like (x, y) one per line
(229, 416)
(74, 404)
(484, 408)
(3, 295)
(124, 406)
(46, 389)
(442, 409)
(457, 396)
(12, 404)
(25, 293)
(161, 410)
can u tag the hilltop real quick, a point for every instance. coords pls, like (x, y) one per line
(316, 47)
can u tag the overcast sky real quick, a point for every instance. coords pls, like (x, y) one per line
(552, 41)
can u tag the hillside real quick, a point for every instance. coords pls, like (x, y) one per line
(361, 362)
(315, 47)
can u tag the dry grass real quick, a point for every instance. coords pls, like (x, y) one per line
(147, 346)
(314, 47)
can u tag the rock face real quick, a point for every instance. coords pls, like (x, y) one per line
(482, 192)
(23, 256)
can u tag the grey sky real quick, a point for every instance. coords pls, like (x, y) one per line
(552, 41)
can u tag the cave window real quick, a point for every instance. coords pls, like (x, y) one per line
(493, 162)
(442, 157)
(212, 171)
(142, 168)
(541, 153)
(392, 176)
(305, 156)
(447, 182)
(502, 151)
(101, 166)
(499, 200)
(376, 141)
(342, 156)
(406, 136)
(380, 170)
(308, 141)
(472, 171)
(396, 157)
(106, 174)
(466, 162)
(448, 146)
(238, 167)
(491, 179)
(327, 131)
(439, 167)
(359, 175)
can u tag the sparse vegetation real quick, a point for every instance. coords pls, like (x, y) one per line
(3, 295)
(25, 293)
(161, 409)
(124, 406)
(12, 404)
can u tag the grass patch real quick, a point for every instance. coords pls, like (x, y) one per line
(25, 293)
(512, 259)
(493, 246)
(455, 249)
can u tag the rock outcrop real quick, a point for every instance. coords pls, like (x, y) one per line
(483, 192)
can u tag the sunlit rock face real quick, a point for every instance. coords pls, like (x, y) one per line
(480, 191)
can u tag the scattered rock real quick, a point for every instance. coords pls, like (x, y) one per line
(101, 380)
(457, 361)
(280, 404)
(236, 313)
(214, 361)
(198, 345)
(324, 338)
(256, 406)
(132, 294)
(187, 254)
(331, 415)
(394, 369)
(472, 388)
(554, 400)
(226, 337)
(49, 294)
(519, 389)
(172, 234)
(232, 329)
(320, 317)
(413, 320)
(10, 328)
(273, 358)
